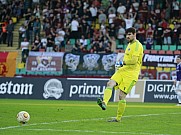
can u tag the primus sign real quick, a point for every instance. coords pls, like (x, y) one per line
(85, 88)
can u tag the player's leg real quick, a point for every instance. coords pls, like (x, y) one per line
(107, 94)
(121, 105)
(125, 88)
(108, 91)
(178, 92)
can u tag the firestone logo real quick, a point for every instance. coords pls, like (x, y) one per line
(16, 88)
(53, 88)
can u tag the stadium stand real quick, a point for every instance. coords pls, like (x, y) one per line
(169, 52)
(64, 19)
(161, 52)
(147, 51)
(177, 52)
(154, 52)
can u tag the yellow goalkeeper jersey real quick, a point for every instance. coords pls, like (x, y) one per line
(134, 49)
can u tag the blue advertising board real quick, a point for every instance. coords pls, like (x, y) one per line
(84, 89)
(160, 91)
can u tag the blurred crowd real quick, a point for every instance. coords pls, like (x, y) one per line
(90, 26)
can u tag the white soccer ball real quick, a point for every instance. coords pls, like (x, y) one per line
(23, 117)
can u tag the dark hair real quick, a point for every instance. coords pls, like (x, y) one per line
(179, 57)
(131, 30)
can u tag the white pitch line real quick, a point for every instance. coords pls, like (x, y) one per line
(93, 119)
(92, 131)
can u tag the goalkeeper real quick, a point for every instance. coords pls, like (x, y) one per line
(178, 81)
(126, 75)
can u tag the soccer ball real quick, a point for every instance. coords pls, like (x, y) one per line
(23, 117)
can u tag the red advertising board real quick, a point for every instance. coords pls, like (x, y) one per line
(44, 61)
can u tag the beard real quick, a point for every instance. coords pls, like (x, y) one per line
(129, 41)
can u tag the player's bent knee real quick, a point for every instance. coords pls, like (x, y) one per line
(111, 83)
(122, 95)
(123, 101)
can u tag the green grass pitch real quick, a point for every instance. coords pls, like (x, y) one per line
(52, 117)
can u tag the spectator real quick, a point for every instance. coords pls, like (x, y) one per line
(150, 5)
(84, 28)
(35, 2)
(159, 35)
(85, 4)
(96, 3)
(36, 27)
(22, 34)
(141, 34)
(58, 14)
(164, 24)
(58, 40)
(131, 10)
(149, 31)
(137, 24)
(87, 16)
(129, 21)
(94, 46)
(143, 12)
(149, 37)
(112, 30)
(74, 29)
(68, 46)
(36, 44)
(76, 47)
(111, 44)
(27, 15)
(25, 49)
(83, 41)
(43, 43)
(167, 11)
(100, 48)
(52, 32)
(121, 35)
(103, 28)
(111, 16)
(158, 11)
(167, 33)
(102, 17)
(152, 17)
(30, 33)
(176, 32)
(111, 9)
(67, 15)
(127, 5)
(10, 29)
(135, 4)
(45, 12)
(62, 39)
(149, 43)
(121, 9)
(93, 11)
(4, 32)
(50, 43)
(79, 8)
(176, 8)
